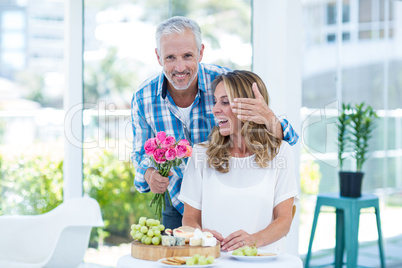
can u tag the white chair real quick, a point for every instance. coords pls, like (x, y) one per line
(58, 238)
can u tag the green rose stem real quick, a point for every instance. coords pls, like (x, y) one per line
(158, 200)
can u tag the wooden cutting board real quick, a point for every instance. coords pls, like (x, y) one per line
(154, 253)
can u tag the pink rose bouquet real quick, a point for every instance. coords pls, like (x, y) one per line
(166, 153)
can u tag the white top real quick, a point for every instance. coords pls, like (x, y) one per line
(185, 113)
(243, 198)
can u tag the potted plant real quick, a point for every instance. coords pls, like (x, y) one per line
(355, 125)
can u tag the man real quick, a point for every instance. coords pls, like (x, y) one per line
(179, 101)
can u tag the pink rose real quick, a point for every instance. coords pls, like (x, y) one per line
(184, 142)
(170, 154)
(159, 156)
(189, 151)
(181, 150)
(150, 146)
(160, 136)
(168, 142)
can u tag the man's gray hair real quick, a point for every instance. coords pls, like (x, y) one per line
(177, 25)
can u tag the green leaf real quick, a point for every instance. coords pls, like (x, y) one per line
(354, 132)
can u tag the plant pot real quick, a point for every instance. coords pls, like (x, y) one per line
(350, 183)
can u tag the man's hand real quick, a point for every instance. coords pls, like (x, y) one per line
(156, 182)
(257, 111)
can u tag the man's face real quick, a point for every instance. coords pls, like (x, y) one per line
(179, 58)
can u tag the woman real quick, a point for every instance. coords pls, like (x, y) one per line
(240, 184)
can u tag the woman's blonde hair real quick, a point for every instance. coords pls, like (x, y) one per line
(259, 140)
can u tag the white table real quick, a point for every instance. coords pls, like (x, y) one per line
(283, 261)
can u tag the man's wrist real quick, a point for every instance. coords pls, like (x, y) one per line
(148, 174)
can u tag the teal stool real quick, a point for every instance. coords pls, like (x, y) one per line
(347, 226)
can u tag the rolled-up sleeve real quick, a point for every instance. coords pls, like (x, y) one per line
(289, 134)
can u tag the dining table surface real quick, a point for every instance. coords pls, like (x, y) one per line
(225, 260)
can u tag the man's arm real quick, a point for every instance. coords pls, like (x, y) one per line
(141, 133)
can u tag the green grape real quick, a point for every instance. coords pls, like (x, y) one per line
(202, 260)
(133, 226)
(148, 240)
(132, 233)
(155, 228)
(137, 227)
(157, 222)
(196, 257)
(254, 251)
(190, 261)
(142, 221)
(161, 227)
(210, 260)
(157, 233)
(150, 233)
(143, 239)
(144, 229)
(156, 240)
(248, 251)
(139, 235)
(150, 222)
(238, 252)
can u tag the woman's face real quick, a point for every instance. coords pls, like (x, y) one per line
(228, 122)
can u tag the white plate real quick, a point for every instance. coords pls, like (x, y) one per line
(254, 258)
(195, 265)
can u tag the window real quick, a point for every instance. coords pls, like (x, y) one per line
(367, 69)
(31, 109)
(373, 19)
(331, 13)
(12, 20)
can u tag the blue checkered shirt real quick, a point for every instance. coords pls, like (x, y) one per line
(153, 110)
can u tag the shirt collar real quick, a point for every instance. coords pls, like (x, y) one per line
(201, 77)
(162, 84)
(164, 87)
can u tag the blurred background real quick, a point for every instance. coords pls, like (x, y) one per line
(119, 55)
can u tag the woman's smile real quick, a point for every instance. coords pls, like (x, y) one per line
(223, 122)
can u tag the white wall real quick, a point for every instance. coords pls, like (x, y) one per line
(277, 60)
